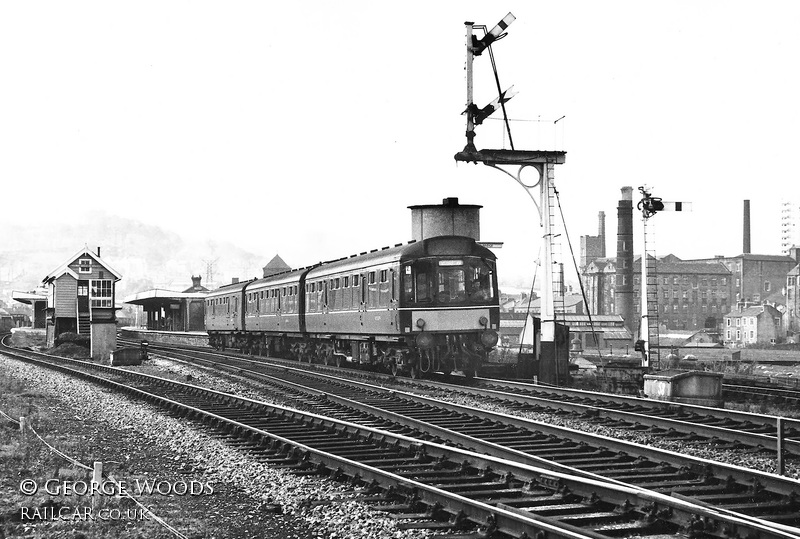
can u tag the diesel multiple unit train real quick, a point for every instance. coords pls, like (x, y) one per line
(413, 309)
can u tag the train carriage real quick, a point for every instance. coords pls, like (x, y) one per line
(223, 313)
(273, 305)
(428, 306)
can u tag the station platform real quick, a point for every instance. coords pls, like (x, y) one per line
(190, 338)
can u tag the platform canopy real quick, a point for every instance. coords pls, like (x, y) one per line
(28, 297)
(156, 296)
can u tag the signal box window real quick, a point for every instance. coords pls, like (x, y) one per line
(85, 265)
(101, 293)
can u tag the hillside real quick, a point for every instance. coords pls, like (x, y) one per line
(146, 255)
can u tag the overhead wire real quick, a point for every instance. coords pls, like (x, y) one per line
(580, 281)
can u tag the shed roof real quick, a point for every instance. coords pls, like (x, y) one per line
(276, 265)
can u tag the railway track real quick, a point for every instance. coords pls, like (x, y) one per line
(772, 394)
(717, 426)
(440, 487)
(536, 443)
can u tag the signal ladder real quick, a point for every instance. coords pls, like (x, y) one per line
(556, 269)
(651, 295)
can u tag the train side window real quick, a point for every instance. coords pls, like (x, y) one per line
(336, 282)
(313, 287)
(356, 280)
(384, 276)
(371, 277)
(283, 292)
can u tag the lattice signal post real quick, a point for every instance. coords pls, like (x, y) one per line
(648, 328)
(542, 192)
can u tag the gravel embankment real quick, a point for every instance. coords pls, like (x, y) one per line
(119, 431)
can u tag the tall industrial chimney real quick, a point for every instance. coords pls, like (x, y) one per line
(601, 231)
(746, 228)
(623, 289)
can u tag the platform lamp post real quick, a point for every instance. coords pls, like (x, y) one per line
(539, 192)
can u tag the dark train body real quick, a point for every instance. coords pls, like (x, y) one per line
(428, 306)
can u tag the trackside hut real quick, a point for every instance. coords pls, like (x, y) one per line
(80, 299)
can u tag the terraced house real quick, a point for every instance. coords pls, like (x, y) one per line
(759, 324)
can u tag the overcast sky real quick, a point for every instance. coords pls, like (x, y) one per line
(307, 128)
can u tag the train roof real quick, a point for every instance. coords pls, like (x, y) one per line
(436, 246)
(228, 288)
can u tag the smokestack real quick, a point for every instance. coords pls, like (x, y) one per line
(623, 289)
(746, 228)
(601, 231)
(98, 251)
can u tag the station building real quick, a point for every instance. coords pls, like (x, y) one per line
(168, 310)
(80, 299)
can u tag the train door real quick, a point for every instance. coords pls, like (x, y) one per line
(373, 296)
(235, 311)
(325, 300)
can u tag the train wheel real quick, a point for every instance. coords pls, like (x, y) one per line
(393, 368)
(415, 372)
(327, 359)
(339, 361)
(469, 374)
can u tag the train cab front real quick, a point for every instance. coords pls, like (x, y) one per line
(449, 306)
